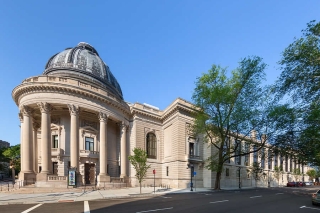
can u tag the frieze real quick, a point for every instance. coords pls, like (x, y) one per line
(52, 78)
(63, 79)
(89, 123)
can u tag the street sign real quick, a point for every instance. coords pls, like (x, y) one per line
(154, 171)
(194, 173)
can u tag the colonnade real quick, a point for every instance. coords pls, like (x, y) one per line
(29, 143)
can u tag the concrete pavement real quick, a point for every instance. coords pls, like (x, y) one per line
(51, 195)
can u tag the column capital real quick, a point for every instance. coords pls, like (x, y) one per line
(20, 117)
(26, 111)
(73, 109)
(103, 117)
(45, 107)
(123, 125)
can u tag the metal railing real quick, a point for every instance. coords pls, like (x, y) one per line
(57, 178)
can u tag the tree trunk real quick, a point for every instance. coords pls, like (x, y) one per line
(140, 187)
(217, 183)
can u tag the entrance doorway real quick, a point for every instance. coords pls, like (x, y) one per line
(89, 172)
(55, 168)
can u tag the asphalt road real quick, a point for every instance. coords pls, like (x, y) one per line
(254, 201)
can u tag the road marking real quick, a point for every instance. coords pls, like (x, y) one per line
(279, 194)
(219, 201)
(86, 207)
(32, 208)
(256, 196)
(166, 197)
(308, 208)
(154, 210)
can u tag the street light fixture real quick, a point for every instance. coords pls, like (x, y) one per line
(239, 169)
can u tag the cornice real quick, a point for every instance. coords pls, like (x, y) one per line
(45, 87)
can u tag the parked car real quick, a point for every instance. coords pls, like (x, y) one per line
(309, 183)
(316, 198)
(291, 184)
(298, 184)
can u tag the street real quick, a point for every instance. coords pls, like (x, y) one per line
(251, 200)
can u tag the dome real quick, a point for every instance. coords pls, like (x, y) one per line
(84, 60)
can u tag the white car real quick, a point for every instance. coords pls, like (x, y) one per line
(308, 183)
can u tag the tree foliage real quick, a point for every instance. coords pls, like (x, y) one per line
(230, 107)
(300, 82)
(312, 174)
(139, 163)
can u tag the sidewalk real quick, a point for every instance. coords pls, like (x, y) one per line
(53, 195)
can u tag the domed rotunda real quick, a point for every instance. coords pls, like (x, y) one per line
(77, 129)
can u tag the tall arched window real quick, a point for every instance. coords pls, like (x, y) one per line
(151, 145)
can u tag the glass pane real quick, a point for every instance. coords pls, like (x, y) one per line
(91, 146)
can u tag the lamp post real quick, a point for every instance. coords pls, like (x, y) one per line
(239, 168)
(191, 174)
(268, 178)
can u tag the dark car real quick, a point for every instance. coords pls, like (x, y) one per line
(316, 198)
(300, 184)
(291, 184)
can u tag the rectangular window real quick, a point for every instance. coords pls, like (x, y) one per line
(255, 154)
(237, 147)
(226, 149)
(227, 172)
(247, 157)
(55, 141)
(167, 170)
(89, 144)
(262, 158)
(269, 159)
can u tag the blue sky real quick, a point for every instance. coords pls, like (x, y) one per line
(155, 49)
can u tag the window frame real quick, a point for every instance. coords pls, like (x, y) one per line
(151, 145)
(89, 143)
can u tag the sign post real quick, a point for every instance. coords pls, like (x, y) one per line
(195, 183)
(154, 181)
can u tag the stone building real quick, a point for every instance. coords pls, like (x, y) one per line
(74, 115)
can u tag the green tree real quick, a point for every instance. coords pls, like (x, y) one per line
(312, 174)
(277, 173)
(139, 163)
(12, 154)
(300, 81)
(233, 106)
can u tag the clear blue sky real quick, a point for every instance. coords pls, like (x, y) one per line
(155, 49)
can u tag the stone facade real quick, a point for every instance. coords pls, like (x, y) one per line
(74, 116)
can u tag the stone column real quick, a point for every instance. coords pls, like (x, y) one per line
(45, 109)
(35, 147)
(74, 136)
(103, 154)
(21, 139)
(123, 165)
(27, 160)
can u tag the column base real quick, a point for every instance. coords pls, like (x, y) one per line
(103, 179)
(27, 178)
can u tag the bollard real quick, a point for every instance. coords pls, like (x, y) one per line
(8, 186)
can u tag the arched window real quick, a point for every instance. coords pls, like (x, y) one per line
(151, 145)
